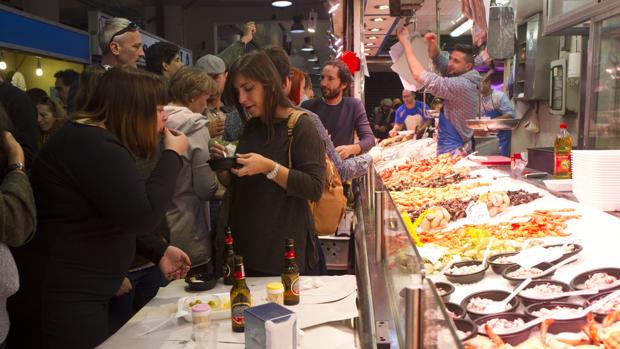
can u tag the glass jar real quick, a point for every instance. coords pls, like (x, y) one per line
(275, 292)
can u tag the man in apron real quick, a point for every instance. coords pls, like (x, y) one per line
(496, 105)
(458, 86)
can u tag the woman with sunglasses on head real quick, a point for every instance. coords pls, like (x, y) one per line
(91, 205)
(268, 195)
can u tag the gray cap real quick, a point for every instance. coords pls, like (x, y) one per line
(211, 64)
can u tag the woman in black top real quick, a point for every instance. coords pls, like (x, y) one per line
(91, 204)
(269, 197)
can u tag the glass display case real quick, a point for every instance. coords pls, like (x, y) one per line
(403, 300)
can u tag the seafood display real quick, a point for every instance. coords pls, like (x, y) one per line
(542, 291)
(559, 313)
(599, 280)
(480, 305)
(523, 273)
(496, 202)
(464, 270)
(499, 325)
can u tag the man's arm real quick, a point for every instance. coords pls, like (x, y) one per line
(230, 54)
(414, 64)
(505, 107)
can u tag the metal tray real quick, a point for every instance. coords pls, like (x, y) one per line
(487, 125)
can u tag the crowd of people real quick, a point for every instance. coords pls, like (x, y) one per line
(126, 199)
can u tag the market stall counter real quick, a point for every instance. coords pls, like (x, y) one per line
(436, 218)
(326, 309)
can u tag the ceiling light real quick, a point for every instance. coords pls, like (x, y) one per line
(370, 44)
(312, 19)
(2, 62)
(374, 29)
(366, 49)
(297, 27)
(334, 8)
(281, 3)
(313, 59)
(465, 26)
(38, 71)
(337, 42)
(316, 67)
(366, 54)
(371, 37)
(307, 47)
(378, 19)
(382, 7)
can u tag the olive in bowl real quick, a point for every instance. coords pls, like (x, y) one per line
(466, 272)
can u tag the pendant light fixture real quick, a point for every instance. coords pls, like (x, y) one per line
(2, 62)
(297, 27)
(281, 3)
(307, 45)
(38, 71)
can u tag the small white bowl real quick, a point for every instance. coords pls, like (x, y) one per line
(559, 184)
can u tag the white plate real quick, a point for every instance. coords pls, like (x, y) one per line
(406, 133)
(220, 305)
(559, 184)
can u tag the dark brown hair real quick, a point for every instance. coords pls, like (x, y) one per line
(125, 100)
(88, 81)
(258, 66)
(343, 72)
(467, 50)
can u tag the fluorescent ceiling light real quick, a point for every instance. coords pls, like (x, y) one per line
(370, 44)
(465, 26)
(313, 59)
(366, 49)
(378, 19)
(281, 3)
(382, 7)
(374, 29)
(371, 37)
(338, 42)
(334, 8)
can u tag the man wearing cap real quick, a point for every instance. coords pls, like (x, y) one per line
(215, 67)
(382, 118)
(120, 42)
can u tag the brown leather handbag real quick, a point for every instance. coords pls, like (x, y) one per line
(329, 210)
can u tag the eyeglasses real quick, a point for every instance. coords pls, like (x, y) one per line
(131, 27)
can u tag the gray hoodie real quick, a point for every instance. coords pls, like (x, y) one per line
(18, 219)
(188, 217)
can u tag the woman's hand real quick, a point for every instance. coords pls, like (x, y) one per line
(175, 140)
(216, 127)
(16, 153)
(253, 164)
(216, 150)
(175, 263)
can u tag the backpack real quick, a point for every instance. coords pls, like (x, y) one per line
(329, 210)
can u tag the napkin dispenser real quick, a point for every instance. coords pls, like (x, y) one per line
(270, 326)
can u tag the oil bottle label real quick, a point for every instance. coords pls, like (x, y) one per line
(295, 286)
(562, 164)
(226, 270)
(237, 313)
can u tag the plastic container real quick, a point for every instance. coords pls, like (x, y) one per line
(517, 165)
(200, 320)
(275, 292)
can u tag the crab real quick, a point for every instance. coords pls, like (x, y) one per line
(606, 335)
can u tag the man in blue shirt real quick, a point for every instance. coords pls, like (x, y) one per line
(410, 107)
(496, 105)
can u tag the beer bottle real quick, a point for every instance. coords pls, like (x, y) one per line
(240, 297)
(290, 274)
(229, 260)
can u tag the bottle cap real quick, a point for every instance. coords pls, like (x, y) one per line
(275, 287)
(201, 308)
(562, 125)
(517, 156)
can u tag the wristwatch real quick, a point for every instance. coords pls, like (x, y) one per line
(17, 166)
(273, 173)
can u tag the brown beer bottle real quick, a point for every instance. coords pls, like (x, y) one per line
(229, 259)
(290, 274)
(240, 297)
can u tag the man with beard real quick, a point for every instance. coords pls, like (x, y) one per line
(341, 116)
(458, 86)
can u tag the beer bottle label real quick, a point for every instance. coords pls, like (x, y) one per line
(295, 286)
(237, 313)
(226, 270)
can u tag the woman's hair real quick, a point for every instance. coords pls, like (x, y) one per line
(188, 83)
(57, 110)
(88, 81)
(36, 94)
(257, 66)
(297, 78)
(125, 100)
